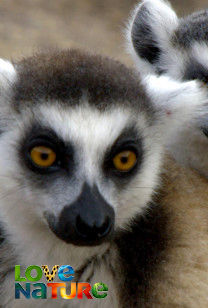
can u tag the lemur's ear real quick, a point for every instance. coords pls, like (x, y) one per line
(8, 77)
(150, 28)
(7, 74)
(177, 104)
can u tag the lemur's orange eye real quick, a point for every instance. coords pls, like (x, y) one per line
(43, 156)
(125, 161)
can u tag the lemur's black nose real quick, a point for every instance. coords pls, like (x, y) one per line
(87, 221)
(93, 230)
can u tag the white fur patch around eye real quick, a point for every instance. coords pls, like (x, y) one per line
(91, 131)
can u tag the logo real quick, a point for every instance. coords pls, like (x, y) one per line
(28, 286)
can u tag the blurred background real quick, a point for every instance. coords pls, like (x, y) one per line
(96, 25)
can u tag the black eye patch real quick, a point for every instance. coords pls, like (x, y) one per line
(128, 141)
(41, 137)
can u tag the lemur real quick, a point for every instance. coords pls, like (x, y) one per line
(83, 181)
(165, 44)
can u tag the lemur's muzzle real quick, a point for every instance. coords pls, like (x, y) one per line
(88, 221)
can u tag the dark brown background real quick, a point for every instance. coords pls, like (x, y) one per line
(95, 25)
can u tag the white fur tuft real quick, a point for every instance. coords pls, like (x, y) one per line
(181, 102)
(7, 73)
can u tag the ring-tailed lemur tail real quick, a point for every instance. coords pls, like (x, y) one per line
(161, 42)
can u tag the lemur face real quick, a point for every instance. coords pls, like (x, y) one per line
(82, 142)
(160, 42)
(84, 162)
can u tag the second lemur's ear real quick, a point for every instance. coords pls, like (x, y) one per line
(150, 28)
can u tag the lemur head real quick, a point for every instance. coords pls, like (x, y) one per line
(81, 143)
(160, 42)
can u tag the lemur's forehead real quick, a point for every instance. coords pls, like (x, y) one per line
(190, 41)
(196, 64)
(192, 29)
(88, 127)
(65, 76)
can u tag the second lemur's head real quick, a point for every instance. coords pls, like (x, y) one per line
(162, 43)
(81, 143)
